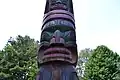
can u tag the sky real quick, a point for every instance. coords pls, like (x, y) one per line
(97, 21)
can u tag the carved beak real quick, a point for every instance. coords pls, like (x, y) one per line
(57, 38)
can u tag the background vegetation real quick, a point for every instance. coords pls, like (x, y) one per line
(18, 61)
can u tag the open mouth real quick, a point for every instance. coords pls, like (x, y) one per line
(62, 54)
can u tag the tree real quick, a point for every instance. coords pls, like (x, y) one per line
(18, 59)
(103, 65)
(82, 59)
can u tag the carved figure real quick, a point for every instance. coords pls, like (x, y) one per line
(57, 55)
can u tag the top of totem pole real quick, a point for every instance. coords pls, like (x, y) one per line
(59, 9)
(59, 5)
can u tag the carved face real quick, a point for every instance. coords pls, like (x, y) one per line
(58, 4)
(58, 42)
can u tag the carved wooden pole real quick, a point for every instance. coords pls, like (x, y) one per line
(57, 55)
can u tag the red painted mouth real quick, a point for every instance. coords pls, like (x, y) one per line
(53, 54)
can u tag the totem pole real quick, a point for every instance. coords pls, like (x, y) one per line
(57, 55)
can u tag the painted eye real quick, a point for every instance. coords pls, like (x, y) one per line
(64, 1)
(46, 36)
(53, 2)
(69, 36)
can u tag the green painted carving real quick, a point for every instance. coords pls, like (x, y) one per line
(68, 36)
(63, 38)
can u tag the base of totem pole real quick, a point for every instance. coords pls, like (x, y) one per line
(57, 71)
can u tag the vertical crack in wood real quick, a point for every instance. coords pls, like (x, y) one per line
(56, 73)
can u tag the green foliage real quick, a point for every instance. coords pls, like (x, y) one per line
(18, 59)
(85, 53)
(103, 65)
(82, 59)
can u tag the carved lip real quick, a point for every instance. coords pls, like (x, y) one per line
(57, 55)
(53, 54)
(56, 59)
(57, 50)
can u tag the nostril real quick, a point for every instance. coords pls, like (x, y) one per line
(62, 41)
(52, 41)
(55, 42)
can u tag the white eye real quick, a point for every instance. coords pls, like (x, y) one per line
(46, 36)
(53, 2)
(70, 35)
(64, 1)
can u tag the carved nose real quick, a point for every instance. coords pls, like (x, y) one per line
(57, 38)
